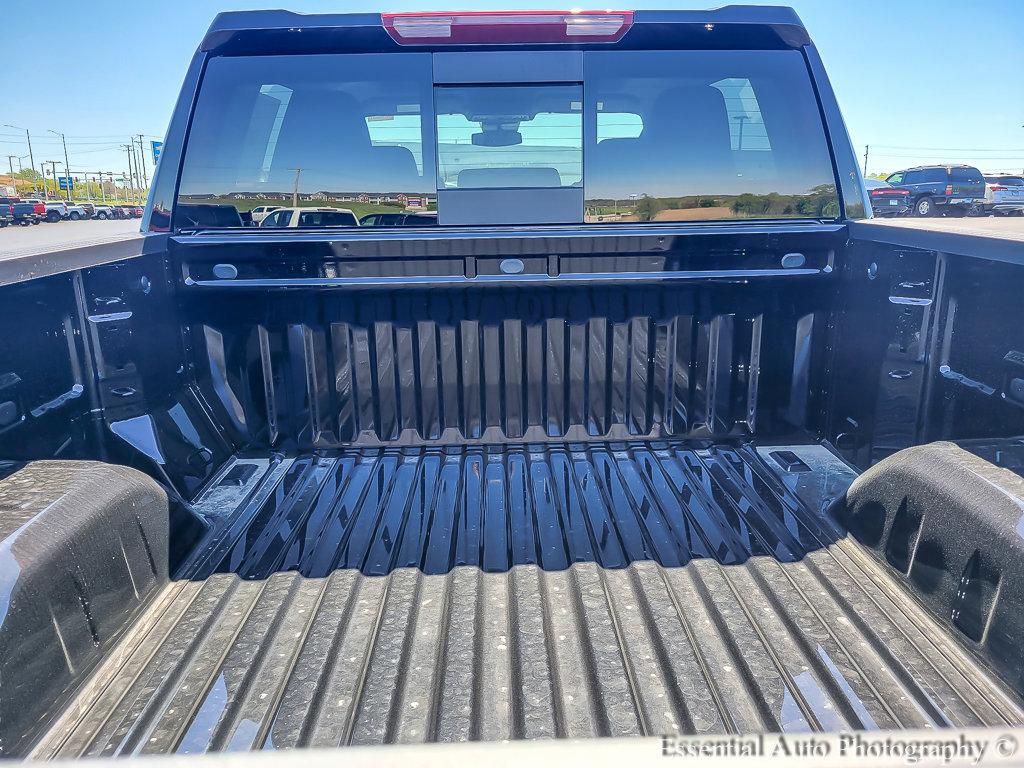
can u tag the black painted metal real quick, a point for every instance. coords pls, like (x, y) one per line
(446, 595)
(323, 370)
(415, 497)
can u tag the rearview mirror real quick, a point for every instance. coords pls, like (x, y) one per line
(500, 137)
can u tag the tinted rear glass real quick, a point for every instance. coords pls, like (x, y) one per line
(722, 135)
(968, 175)
(648, 136)
(343, 131)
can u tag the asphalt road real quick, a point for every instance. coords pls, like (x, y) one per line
(1005, 227)
(43, 238)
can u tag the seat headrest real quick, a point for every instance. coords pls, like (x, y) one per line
(478, 178)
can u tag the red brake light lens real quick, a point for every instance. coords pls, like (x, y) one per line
(997, 188)
(507, 27)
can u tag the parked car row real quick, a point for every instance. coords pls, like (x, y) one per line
(28, 211)
(278, 216)
(205, 215)
(957, 190)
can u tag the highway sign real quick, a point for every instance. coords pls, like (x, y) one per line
(66, 182)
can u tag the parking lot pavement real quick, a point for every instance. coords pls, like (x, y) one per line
(48, 238)
(1005, 227)
(43, 238)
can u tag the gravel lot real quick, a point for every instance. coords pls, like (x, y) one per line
(62, 235)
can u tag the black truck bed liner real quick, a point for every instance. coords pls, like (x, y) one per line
(443, 594)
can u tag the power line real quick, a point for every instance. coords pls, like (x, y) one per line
(987, 159)
(951, 149)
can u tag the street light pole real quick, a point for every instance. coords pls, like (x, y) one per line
(740, 119)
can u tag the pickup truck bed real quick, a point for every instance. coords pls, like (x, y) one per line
(647, 435)
(608, 589)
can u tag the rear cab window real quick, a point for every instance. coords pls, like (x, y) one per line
(968, 176)
(643, 137)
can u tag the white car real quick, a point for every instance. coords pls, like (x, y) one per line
(103, 212)
(260, 212)
(310, 218)
(1004, 194)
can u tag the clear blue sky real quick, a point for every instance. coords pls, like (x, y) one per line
(919, 80)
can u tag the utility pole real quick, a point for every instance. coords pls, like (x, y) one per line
(138, 167)
(295, 188)
(142, 154)
(128, 149)
(67, 165)
(867, 148)
(137, 181)
(10, 162)
(31, 158)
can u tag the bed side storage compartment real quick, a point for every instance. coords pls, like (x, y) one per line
(83, 547)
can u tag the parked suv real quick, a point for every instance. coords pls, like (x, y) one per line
(1004, 194)
(103, 211)
(941, 188)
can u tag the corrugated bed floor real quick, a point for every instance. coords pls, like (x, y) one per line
(429, 595)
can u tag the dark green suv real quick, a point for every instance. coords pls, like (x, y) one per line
(936, 189)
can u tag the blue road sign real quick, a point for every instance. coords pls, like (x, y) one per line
(66, 182)
(158, 147)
